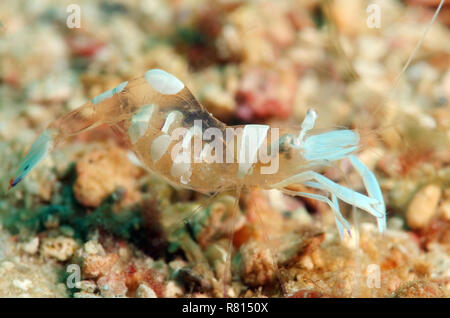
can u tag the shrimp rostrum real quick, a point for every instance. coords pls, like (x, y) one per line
(175, 137)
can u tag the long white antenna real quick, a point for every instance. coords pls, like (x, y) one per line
(413, 53)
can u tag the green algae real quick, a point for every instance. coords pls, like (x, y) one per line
(65, 211)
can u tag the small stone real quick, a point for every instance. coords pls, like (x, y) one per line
(94, 248)
(85, 295)
(258, 266)
(173, 290)
(32, 246)
(87, 286)
(145, 291)
(307, 262)
(23, 284)
(96, 265)
(423, 206)
(61, 248)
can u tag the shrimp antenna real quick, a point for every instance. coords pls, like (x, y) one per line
(414, 51)
(353, 73)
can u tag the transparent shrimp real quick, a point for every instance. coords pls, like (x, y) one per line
(175, 137)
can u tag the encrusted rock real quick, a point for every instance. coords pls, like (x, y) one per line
(60, 248)
(258, 268)
(420, 289)
(100, 172)
(85, 295)
(87, 286)
(112, 285)
(97, 265)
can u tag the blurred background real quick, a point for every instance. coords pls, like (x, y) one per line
(255, 61)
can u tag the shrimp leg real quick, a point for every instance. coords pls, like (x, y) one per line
(373, 189)
(341, 222)
(351, 197)
(361, 201)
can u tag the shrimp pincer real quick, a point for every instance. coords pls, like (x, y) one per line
(175, 137)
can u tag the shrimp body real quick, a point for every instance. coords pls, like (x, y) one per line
(175, 137)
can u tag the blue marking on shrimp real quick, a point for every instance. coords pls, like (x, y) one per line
(38, 151)
(333, 145)
(108, 94)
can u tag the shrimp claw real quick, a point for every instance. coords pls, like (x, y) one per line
(327, 147)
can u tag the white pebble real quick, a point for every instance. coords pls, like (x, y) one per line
(145, 291)
(23, 284)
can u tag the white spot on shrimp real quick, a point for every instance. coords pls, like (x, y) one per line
(159, 147)
(181, 168)
(163, 82)
(134, 159)
(140, 122)
(253, 137)
(172, 118)
(108, 94)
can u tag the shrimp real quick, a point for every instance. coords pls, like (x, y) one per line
(173, 135)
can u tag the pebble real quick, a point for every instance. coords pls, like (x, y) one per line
(23, 284)
(423, 206)
(145, 291)
(32, 246)
(61, 248)
(94, 248)
(173, 290)
(85, 295)
(87, 286)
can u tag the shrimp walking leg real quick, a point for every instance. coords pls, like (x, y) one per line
(372, 187)
(341, 222)
(351, 197)
(369, 204)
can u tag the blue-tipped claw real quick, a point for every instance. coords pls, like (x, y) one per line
(38, 151)
(13, 182)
